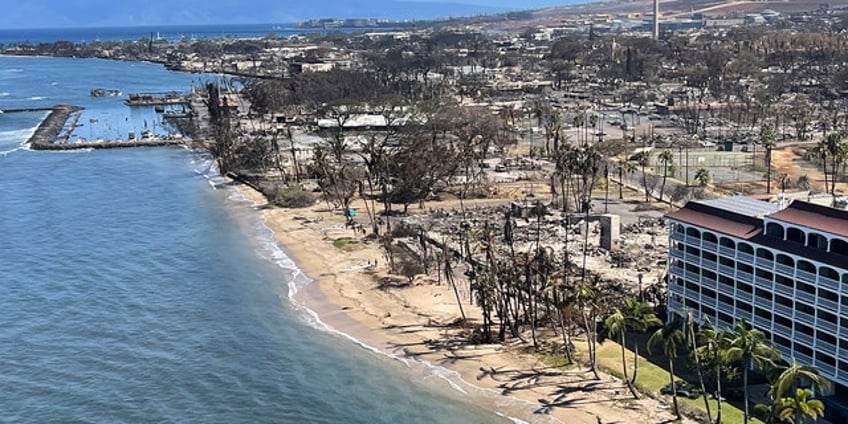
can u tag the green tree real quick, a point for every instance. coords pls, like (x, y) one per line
(669, 338)
(633, 315)
(702, 176)
(790, 396)
(692, 341)
(712, 345)
(834, 148)
(768, 139)
(750, 347)
(798, 407)
(667, 159)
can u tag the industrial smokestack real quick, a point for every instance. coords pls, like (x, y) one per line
(656, 19)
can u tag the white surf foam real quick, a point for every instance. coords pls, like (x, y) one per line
(272, 250)
(37, 98)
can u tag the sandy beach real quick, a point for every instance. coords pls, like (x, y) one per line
(353, 296)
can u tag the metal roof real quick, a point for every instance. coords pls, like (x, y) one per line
(743, 206)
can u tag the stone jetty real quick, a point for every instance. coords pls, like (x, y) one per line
(47, 135)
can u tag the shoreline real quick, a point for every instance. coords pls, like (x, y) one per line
(411, 323)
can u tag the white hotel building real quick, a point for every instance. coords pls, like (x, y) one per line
(783, 270)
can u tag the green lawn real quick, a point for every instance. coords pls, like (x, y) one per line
(651, 378)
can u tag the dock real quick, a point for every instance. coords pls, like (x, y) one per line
(49, 135)
(156, 99)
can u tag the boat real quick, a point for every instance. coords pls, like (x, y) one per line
(103, 92)
(159, 109)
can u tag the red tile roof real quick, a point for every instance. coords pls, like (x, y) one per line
(810, 215)
(718, 220)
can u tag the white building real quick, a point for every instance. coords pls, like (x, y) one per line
(783, 270)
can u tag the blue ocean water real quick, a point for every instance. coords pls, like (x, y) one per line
(162, 32)
(133, 291)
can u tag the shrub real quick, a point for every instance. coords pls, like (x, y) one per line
(291, 197)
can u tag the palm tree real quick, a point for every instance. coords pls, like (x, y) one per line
(633, 315)
(835, 148)
(692, 340)
(787, 393)
(749, 346)
(643, 159)
(669, 338)
(667, 159)
(712, 345)
(768, 140)
(796, 408)
(702, 176)
(624, 165)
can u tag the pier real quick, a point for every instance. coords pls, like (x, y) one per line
(47, 135)
(156, 99)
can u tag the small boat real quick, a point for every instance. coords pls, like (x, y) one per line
(102, 92)
(159, 109)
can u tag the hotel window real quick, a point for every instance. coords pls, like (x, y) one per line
(827, 359)
(708, 312)
(785, 260)
(843, 367)
(803, 308)
(762, 294)
(804, 329)
(744, 306)
(780, 340)
(745, 268)
(691, 303)
(727, 300)
(692, 250)
(708, 293)
(774, 230)
(710, 237)
(784, 321)
(780, 300)
(828, 272)
(762, 313)
(802, 349)
(745, 248)
(827, 316)
(829, 295)
(817, 241)
(765, 254)
(785, 282)
(709, 256)
(726, 280)
(839, 246)
(804, 287)
(693, 232)
(826, 337)
(725, 320)
(796, 235)
(726, 262)
(806, 266)
(744, 287)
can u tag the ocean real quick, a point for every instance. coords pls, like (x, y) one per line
(134, 289)
(162, 32)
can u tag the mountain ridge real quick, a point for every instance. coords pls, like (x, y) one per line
(99, 13)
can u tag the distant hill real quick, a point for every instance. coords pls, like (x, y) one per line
(105, 13)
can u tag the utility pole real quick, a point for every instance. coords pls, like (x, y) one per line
(656, 22)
